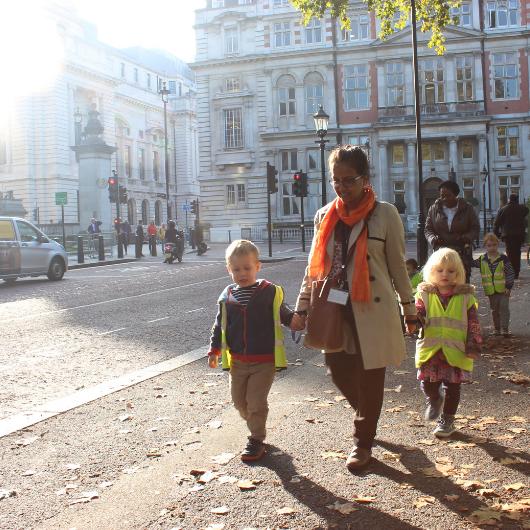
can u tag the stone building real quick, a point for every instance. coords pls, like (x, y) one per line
(36, 159)
(261, 74)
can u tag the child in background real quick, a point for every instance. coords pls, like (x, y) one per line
(451, 337)
(497, 281)
(247, 334)
(415, 274)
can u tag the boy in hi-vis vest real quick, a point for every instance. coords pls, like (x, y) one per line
(497, 281)
(248, 336)
(450, 338)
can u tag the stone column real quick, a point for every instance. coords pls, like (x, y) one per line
(453, 152)
(412, 183)
(385, 186)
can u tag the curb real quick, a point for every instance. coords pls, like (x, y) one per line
(100, 263)
(276, 260)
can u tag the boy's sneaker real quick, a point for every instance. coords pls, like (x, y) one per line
(432, 412)
(497, 333)
(506, 334)
(445, 426)
(254, 450)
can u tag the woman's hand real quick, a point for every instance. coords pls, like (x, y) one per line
(298, 322)
(411, 324)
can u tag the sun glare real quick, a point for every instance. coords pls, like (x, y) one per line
(31, 53)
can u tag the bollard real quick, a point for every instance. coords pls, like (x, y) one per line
(152, 244)
(101, 248)
(138, 246)
(281, 235)
(80, 250)
(229, 236)
(120, 246)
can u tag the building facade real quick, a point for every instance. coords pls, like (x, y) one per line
(36, 159)
(261, 75)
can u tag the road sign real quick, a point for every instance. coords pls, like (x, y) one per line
(61, 198)
(186, 207)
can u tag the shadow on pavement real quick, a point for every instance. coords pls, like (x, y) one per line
(317, 498)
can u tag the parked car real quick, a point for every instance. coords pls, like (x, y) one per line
(26, 251)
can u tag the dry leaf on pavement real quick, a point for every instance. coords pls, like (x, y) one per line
(333, 454)
(26, 440)
(517, 419)
(246, 485)
(72, 467)
(342, 507)
(125, 417)
(364, 500)
(220, 510)
(286, 510)
(423, 501)
(487, 492)
(214, 424)
(485, 516)
(227, 479)
(388, 455)
(451, 498)
(4, 494)
(514, 487)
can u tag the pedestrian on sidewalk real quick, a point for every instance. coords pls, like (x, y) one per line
(151, 233)
(247, 335)
(126, 234)
(363, 241)
(162, 235)
(139, 240)
(450, 338)
(497, 281)
(511, 226)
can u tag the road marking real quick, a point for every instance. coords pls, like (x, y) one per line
(112, 331)
(40, 413)
(156, 320)
(193, 310)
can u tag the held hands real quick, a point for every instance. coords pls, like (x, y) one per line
(213, 360)
(410, 325)
(298, 322)
(507, 292)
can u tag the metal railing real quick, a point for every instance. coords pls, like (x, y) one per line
(290, 233)
(432, 110)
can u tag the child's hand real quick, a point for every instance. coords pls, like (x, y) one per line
(298, 322)
(472, 355)
(213, 360)
(410, 325)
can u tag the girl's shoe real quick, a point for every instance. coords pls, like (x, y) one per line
(506, 334)
(445, 426)
(254, 450)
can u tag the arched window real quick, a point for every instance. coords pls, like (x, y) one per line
(131, 211)
(145, 212)
(158, 213)
(286, 91)
(313, 92)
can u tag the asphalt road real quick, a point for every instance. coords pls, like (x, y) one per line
(102, 322)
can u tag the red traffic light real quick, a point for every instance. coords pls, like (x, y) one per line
(297, 176)
(112, 181)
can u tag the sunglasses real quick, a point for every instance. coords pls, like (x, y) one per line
(346, 182)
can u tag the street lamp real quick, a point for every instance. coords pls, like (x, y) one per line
(321, 126)
(452, 174)
(484, 175)
(164, 93)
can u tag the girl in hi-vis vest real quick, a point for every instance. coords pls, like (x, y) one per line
(450, 339)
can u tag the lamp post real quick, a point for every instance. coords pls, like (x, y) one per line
(321, 126)
(78, 120)
(164, 92)
(452, 174)
(484, 176)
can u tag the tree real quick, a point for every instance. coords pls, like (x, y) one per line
(432, 15)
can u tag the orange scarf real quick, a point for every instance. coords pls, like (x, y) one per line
(319, 261)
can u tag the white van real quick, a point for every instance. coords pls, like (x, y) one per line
(26, 251)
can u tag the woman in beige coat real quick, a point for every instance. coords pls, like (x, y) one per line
(368, 235)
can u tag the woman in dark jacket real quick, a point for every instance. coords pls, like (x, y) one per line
(452, 222)
(171, 233)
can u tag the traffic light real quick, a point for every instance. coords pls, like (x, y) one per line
(297, 181)
(272, 181)
(303, 184)
(195, 206)
(113, 189)
(123, 195)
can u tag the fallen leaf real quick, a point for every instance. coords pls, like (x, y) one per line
(514, 487)
(106, 484)
(192, 446)
(517, 430)
(28, 473)
(4, 494)
(461, 445)
(286, 510)
(388, 455)
(423, 501)
(85, 496)
(339, 398)
(470, 485)
(333, 454)
(509, 461)
(214, 424)
(517, 419)
(125, 417)
(398, 388)
(223, 458)
(72, 467)
(487, 492)
(345, 507)
(197, 487)
(22, 442)
(220, 510)
(396, 409)
(207, 477)
(401, 372)
(213, 526)
(364, 500)
(247, 485)
(311, 399)
(227, 479)
(508, 391)
(485, 516)
(427, 442)
(451, 498)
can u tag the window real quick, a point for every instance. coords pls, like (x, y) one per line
(502, 13)
(469, 188)
(314, 95)
(462, 15)
(395, 84)
(127, 160)
(278, 3)
(508, 141)
(432, 81)
(399, 193)
(136, 75)
(464, 78)
(156, 165)
(313, 159)
(362, 141)
(289, 160)
(433, 151)
(122, 69)
(507, 186)
(398, 154)
(467, 150)
(359, 28)
(313, 31)
(141, 162)
(356, 87)
(172, 87)
(505, 76)
(282, 34)
(287, 100)
(245, 2)
(149, 81)
(233, 134)
(289, 201)
(7, 230)
(27, 232)
(232, 84)
(231, 40)
(236, 194)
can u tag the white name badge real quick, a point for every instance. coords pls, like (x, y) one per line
(337, 296)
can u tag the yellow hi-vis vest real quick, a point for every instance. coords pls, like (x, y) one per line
(280, 360)
(492, 283)
(445, 329)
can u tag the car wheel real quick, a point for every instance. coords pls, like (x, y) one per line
(10, 281)
(56, 270)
